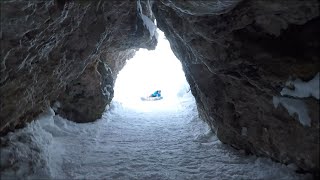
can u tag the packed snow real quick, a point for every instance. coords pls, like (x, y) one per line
(292, 103)
(131, 144)
(303, 89)
(134, 139)
(294, 106)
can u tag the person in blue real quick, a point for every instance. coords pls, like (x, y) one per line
(156, 94)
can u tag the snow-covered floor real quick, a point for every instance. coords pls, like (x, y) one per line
(161, 140)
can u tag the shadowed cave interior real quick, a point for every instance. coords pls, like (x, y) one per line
(241, 94)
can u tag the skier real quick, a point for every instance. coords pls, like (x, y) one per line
(156, 94)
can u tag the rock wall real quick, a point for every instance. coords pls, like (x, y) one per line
(86, 98)
(240, 57)
(253, 65)
(65, 54)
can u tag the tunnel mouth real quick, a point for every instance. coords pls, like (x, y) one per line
(149, 71)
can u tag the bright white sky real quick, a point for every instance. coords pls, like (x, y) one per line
(149, 71)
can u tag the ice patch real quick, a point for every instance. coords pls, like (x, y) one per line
(294, 106)
(147, 22)
(303, 89)
(300, 89)
(56, 105)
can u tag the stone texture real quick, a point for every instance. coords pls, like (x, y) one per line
(238, 55)
(53, 50)
(86, 98)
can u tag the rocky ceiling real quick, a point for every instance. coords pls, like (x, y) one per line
(253, 65)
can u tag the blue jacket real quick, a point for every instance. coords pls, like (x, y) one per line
(156, 94)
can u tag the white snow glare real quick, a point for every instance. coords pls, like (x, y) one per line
(147, 72)
(134, 139)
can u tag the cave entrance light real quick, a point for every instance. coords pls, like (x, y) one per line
(147, 72)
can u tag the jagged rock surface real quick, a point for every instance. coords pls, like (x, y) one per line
(86, 98)
(57, 50)
(237, 56)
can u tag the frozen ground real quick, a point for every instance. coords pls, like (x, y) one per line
(160, 140)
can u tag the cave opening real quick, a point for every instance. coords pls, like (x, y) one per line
(248, 63)
(148, 71)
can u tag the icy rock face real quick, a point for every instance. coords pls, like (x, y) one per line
(85, 98)
(57, 52)
(237, 56)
